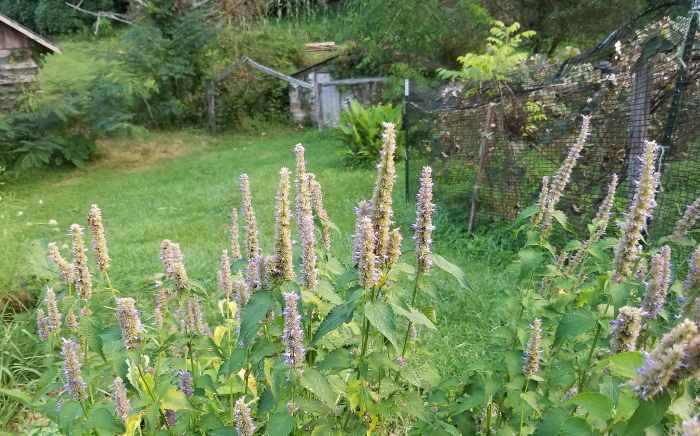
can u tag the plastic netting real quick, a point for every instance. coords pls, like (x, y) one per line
(490, 151)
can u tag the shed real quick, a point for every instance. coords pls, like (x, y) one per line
(19, 51)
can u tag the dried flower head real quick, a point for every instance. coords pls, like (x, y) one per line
(533, 352)
(363, 209)
(185, 382)
(130, 322)
(235, 245)
(53, 316)
(120, 399)
(659, 283)
(75, 385)
(625, 329)
(293, 336)
(563, 175)
(42, 325)
(225, 281)
(251, 224)
(81, 274)
(72, 321)
(244, 422)
(367, 262)
(423, 228)
(64, 267)
(99, 239)
(628, 249)
(284, 264)
(321, 213)
(382, 210)
(691, 215)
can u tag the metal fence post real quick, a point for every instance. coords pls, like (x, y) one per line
(407, 159)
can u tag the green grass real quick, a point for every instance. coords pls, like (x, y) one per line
(182, 186)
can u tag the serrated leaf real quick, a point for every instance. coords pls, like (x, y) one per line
(325, 290)
(451, 269)
(576, 426)
(597, 405)
(552, 422)
(102, 419)
(381, 317)
(233, 363)
(254, 312)
(414, 316)
(174, 399)
(573, 324)
(337, 316)
(317, 384)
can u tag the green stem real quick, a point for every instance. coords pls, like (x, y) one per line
(522, 408)
(584, 368)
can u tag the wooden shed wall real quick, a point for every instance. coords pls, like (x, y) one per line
(11, 39)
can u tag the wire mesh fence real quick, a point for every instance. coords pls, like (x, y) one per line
(490, 151)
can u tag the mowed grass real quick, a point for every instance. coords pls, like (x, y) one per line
(182, 186)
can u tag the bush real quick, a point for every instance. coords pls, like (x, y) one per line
(361, 130)
(53, 17)
(329, 350)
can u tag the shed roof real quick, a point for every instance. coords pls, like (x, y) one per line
(29, 34)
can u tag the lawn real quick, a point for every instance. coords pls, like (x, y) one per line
(182, 186)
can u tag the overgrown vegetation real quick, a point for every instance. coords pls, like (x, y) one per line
(361, 130)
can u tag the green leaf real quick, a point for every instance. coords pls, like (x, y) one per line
(174, 399)
(17, 395)
(317, 384)
(552, 422)
(383, 319)
(414, 316)
(625, 364)
(233, 363)
(647, 414)
(451, 269)
(573, 324)
(101, 418)
(337, 360)
(576, 426)
(337, 316)
(281, 424)
(254, 312)
(325, 290)
(597, 405)
(360, 396)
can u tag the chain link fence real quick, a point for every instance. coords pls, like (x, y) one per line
(490, 151)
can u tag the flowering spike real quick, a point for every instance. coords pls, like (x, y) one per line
(382, 198)
(317, 201)
(625, 329)
(691, 427)
(241, 293)
(692, 280)
(659, 283)
(251, 224)
(42, 325)
(225, 283)
(53, 315)
(394, 247)
(244, 422)
(563, 175)
(661, 366)
(185, 382)
(363, 209)
(600, 224)
(120, 399)
(160, 304)
(194, 318)
(99, 239)
(170, 418)
(293, 336)
(309, 275)
(628, 248)
(691, 215)
(302, 200)
(130, 322)
(174, 263)
(367, 262)
(284, 264)
(75, 385)
(541, 201)
(72, 321)
(65, 269)
(533, 352)
(235, 245)
(81, 273)
(423, 228)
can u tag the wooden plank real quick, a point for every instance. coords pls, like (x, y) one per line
(358, 81)
(267, 70)
(320, 46)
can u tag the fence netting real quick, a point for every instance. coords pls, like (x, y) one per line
(490, 150)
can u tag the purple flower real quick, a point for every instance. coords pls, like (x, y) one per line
(185, 382)
(120, 399)
(130, 322)
(75, 385)
(423, 228)
(293, 336)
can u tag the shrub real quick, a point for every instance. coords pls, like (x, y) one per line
(361, 129)
(291, 347)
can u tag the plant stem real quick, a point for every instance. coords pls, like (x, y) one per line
(416, 285)
(522, 408)
(584, 368)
